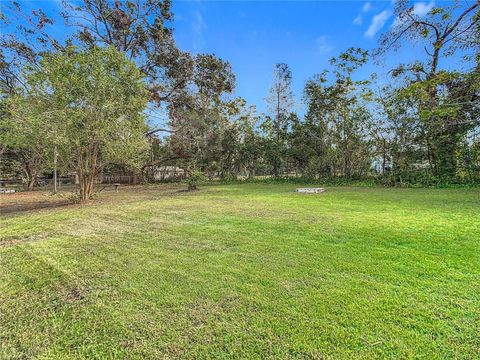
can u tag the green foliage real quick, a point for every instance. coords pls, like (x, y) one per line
(194, 178)
(87, 103)
(28, 135)
(276, 126)
(337, 119)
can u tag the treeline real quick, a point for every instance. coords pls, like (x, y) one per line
(84, 103)
(419, 126)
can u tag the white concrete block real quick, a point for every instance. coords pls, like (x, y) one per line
(310, 190)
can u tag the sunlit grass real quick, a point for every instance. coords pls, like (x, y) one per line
(244, 271)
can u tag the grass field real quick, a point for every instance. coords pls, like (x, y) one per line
(241, 271)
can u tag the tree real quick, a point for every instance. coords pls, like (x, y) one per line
(240, 145)
(306, 147)
(26, 135)
(23, 138)
(198, 117)
(441, 32)
(440, 105)
(143, 31)
(280, 103)
(98, 97)
(140, 29)
(337, 117)
(396, 138)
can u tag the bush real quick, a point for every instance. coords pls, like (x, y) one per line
(194, 179)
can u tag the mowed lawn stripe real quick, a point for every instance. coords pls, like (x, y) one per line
(244, 271)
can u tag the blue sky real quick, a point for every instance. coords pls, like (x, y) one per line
(254, 35)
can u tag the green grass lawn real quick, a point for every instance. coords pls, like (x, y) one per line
(243, 271)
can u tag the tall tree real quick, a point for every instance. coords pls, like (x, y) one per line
(280, 104)
(444, 31)
(140, 29)
(197, 117)
(338, 117)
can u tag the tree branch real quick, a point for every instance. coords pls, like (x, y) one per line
(151, 132)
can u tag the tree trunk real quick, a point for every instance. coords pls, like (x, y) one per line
(87, 170)
(31, 184)
(446, 161)
(31, 174)
(55, 171)
(276, 167)
(384, 159)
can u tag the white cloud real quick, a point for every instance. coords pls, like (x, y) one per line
(422, 8)
(322, 44)
(358, 20)
(377, 23)
(367, 7)
(198, 26)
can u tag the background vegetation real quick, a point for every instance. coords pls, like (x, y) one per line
(422, 128)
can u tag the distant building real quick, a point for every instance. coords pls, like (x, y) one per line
(160, 173)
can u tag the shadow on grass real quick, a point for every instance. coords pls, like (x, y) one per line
(21, 202)
(16, 204)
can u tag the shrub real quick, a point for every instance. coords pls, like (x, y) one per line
(194, 179)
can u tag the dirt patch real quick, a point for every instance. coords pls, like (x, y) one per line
(76, 293)
(15, 208)
(28, 201)
(10, 242)
(20, 202)
(22, 240)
